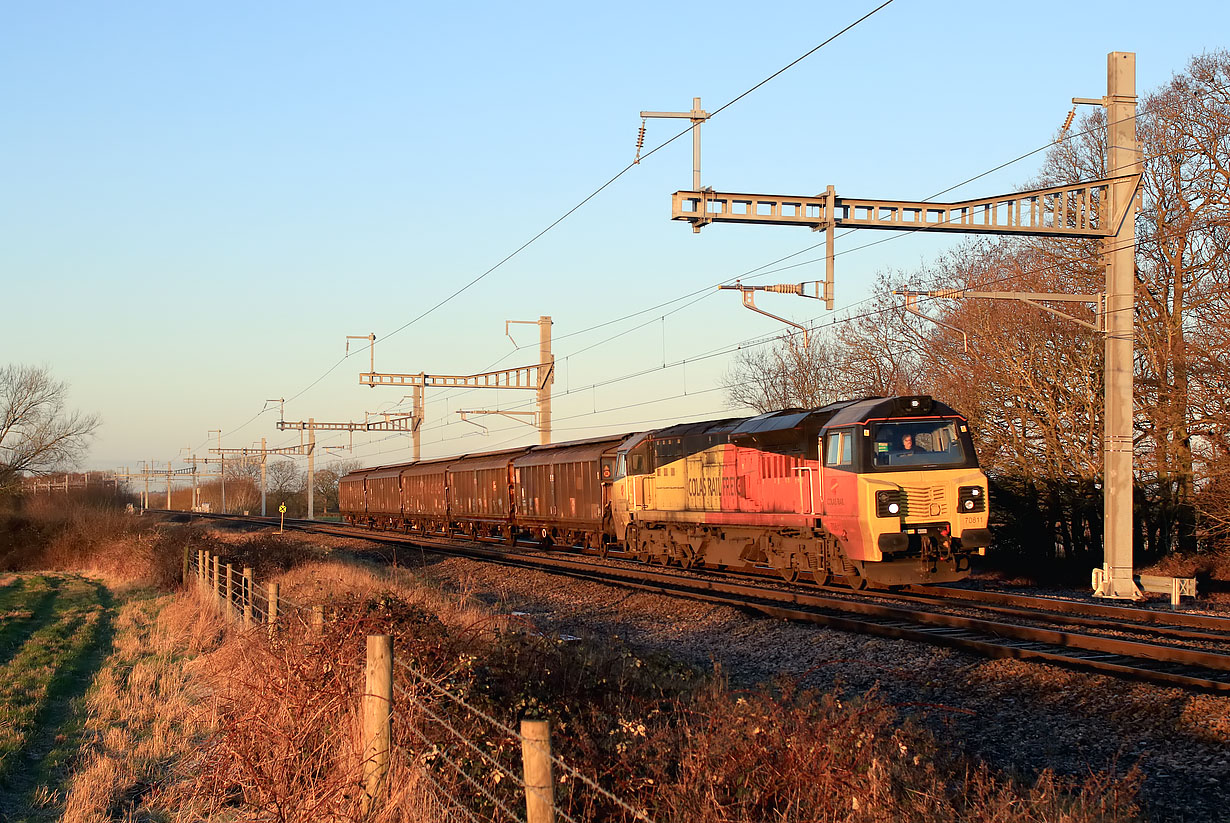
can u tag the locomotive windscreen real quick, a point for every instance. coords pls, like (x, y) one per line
(916, 443)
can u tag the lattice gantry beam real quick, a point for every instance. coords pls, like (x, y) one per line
(532, 378)
(303, 448)
(402, 423)
(1079, 210)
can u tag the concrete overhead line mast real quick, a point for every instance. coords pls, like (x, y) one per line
(1104, 209)
(170, 473)
(144, 474)
(391, 423)
(262, 454)
(537, 378)
(196, 475)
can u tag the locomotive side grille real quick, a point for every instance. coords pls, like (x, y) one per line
(925, 501)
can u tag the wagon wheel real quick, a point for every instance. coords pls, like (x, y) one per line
(822, 577)
(789, 573)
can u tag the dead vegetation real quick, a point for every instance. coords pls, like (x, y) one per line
(188, 720)
(665, 738)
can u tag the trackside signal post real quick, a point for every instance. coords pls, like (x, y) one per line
(1105, 209)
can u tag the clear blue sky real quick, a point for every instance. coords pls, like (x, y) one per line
(198, 203)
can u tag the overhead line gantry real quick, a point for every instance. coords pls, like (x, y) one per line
(537, 378)
(252, 453)
(407, 423)
(1102, 209)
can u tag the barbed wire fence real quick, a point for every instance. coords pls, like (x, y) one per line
(445, 738)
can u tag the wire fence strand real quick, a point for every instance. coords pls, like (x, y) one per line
(555, 758)
(288, 607)
(468, 778)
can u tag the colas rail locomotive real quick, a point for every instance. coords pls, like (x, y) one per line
(883, 491)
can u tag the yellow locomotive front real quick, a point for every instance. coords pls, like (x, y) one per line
(902, 491)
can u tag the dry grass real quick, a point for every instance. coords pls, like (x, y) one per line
(188, 721)
(144, 720)
(102, 541)
(667, 739)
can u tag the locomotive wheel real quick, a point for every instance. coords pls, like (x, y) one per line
(856, 581)
(821, 578)
(790, 575)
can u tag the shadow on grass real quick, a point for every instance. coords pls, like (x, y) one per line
(15, 600)
(36, 774)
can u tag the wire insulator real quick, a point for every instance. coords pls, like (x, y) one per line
(640, 142)
(786, 288)
(1068, 122)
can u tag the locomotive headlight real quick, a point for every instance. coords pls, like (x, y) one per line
(971, 499)
(888, 503)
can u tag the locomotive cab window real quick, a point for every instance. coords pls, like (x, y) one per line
(839, 451)
(638, 459)
(914, 443)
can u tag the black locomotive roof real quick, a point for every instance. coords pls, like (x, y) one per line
(883, 408)
(722, 426)
(785, 419)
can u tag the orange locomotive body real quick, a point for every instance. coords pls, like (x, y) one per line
(881, 491)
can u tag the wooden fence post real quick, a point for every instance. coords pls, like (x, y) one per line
(377, 717)
(272, 615)
(204, 571)
(217, 575)
(536, 760)
(247, 595)
(200, 567)
(318, 620)
(230, 594)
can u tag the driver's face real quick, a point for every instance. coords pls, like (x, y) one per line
(907, 441)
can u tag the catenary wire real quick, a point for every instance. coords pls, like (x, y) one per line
(708, 290)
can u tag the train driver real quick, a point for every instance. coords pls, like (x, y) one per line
(908, 446)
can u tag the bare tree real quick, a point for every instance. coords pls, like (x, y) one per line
(243, 477)
(327, 480)
(38, 434)
(283, 478)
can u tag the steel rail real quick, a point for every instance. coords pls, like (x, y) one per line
(1169, 665)
(1053, 610)
(1057, 605)
(1026, 607)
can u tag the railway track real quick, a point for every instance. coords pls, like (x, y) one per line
(1170, 648)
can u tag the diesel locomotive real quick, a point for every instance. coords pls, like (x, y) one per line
(882, 491)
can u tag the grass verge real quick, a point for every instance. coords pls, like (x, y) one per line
(675, 742)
